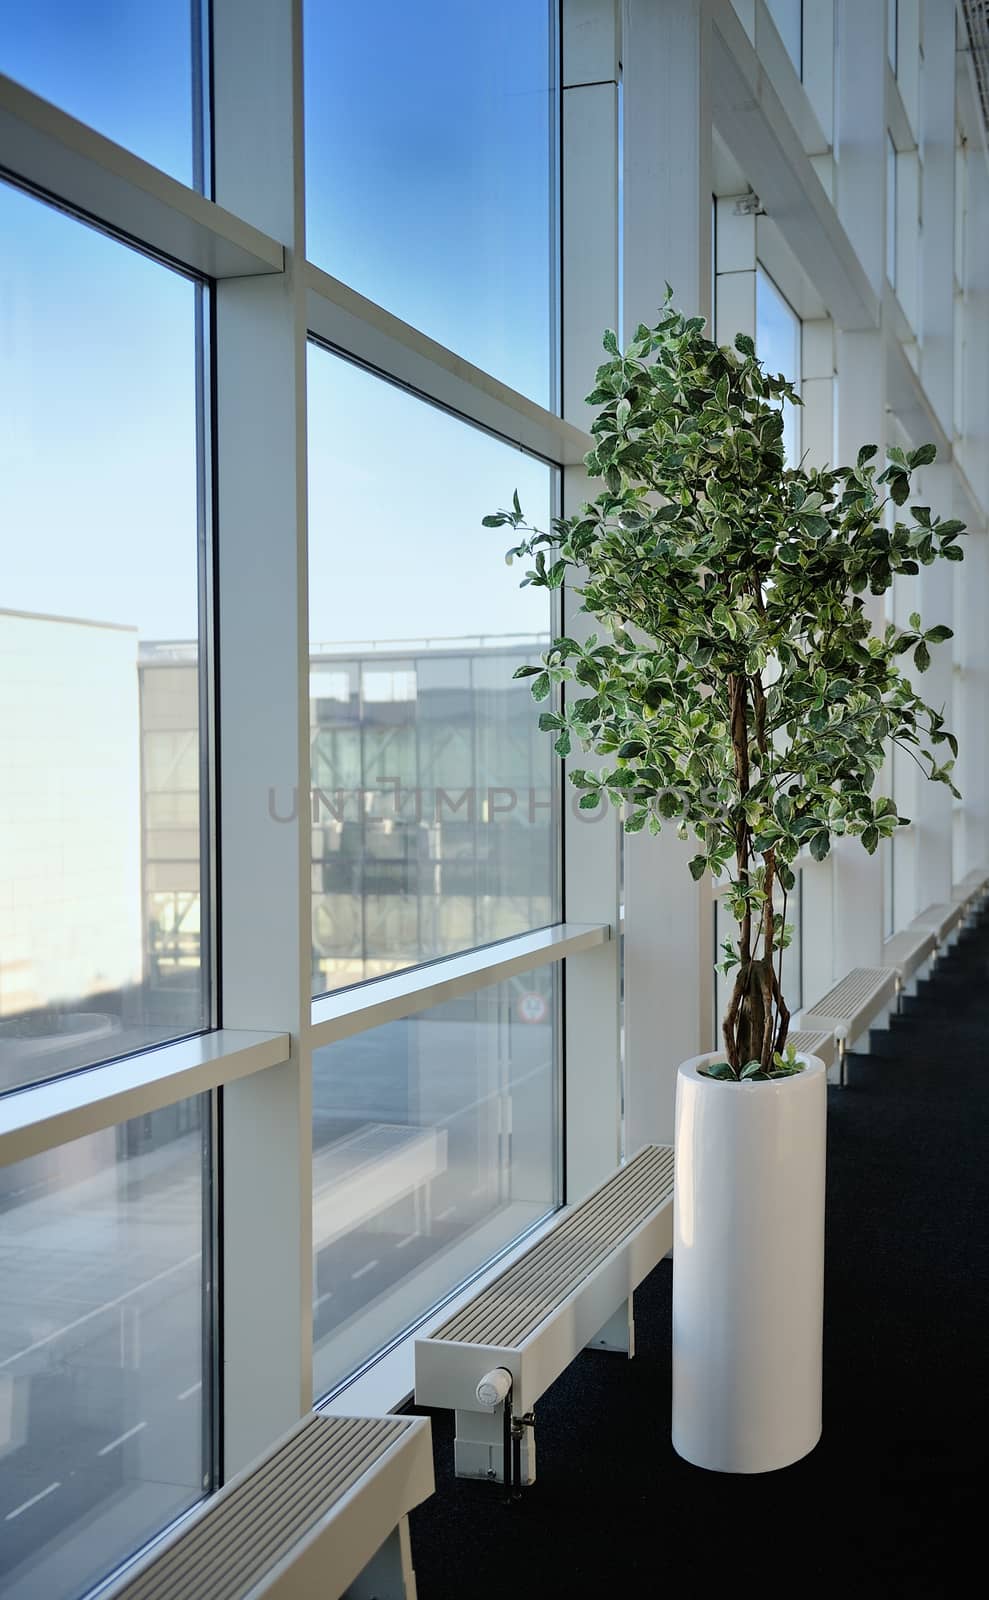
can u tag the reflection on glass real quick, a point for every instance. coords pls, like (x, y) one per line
(432, 785)
(132, 70)
(777, 339)
(434, 1146)
(430, 171)
(788, 16)
(100, 920)
(103, 1386)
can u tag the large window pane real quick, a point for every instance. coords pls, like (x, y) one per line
(430, 169)
(433, 787)
(434, 1145)
(777, 339)
(132, 69)
(101, 939)
(104, 1385)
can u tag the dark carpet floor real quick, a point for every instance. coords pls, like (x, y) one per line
(891, 1500)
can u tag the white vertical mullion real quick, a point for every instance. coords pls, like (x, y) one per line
(590, 304)
(263, 698)
(936, 265)
(973, 448)
(667, 238)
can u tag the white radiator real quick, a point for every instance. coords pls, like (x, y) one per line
(304, 1522)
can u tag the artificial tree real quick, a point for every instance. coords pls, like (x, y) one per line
(738, 690)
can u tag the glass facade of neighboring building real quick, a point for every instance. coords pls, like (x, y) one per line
(432, 806)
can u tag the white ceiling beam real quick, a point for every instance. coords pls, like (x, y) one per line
(751, 120)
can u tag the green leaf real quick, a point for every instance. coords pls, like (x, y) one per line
(527, 672)
(752, 1069)
(870, 838)
(589, 801)
(719, 1069)
(540, 686)
(939, 634)
(922, 657)
(899, 488)
(496, 520)
(745, 344)
(866, 454)
(923, 456)
(698, 867)
(820, 844)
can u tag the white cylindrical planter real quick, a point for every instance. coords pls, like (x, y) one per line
(748, 1268)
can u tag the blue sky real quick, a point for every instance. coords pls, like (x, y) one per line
(428, 170)
(123, 66)
(429, 192)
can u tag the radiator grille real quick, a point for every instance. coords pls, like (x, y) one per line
(245, 1531)
(854, 993)
(813, 1044)
(513, 1306)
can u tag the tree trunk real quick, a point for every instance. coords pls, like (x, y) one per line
(749, 1028)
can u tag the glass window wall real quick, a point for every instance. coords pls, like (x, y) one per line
(433, 789)
(435, 1144)
(102, 803)
(778, 345)
(133, 70)
(431, 163)
(104, 1348)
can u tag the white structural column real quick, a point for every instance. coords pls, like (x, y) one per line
(931, 837)
(974, 449)
(263, 670)
(937, 239)
(735, 286)
(924, 856)
(590, 304)
(972, 645)
(817, 389)
(972, 697)
(937, 309)
(667, 238)
(860, 148)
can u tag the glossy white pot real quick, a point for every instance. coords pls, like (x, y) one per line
(748, 1268)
